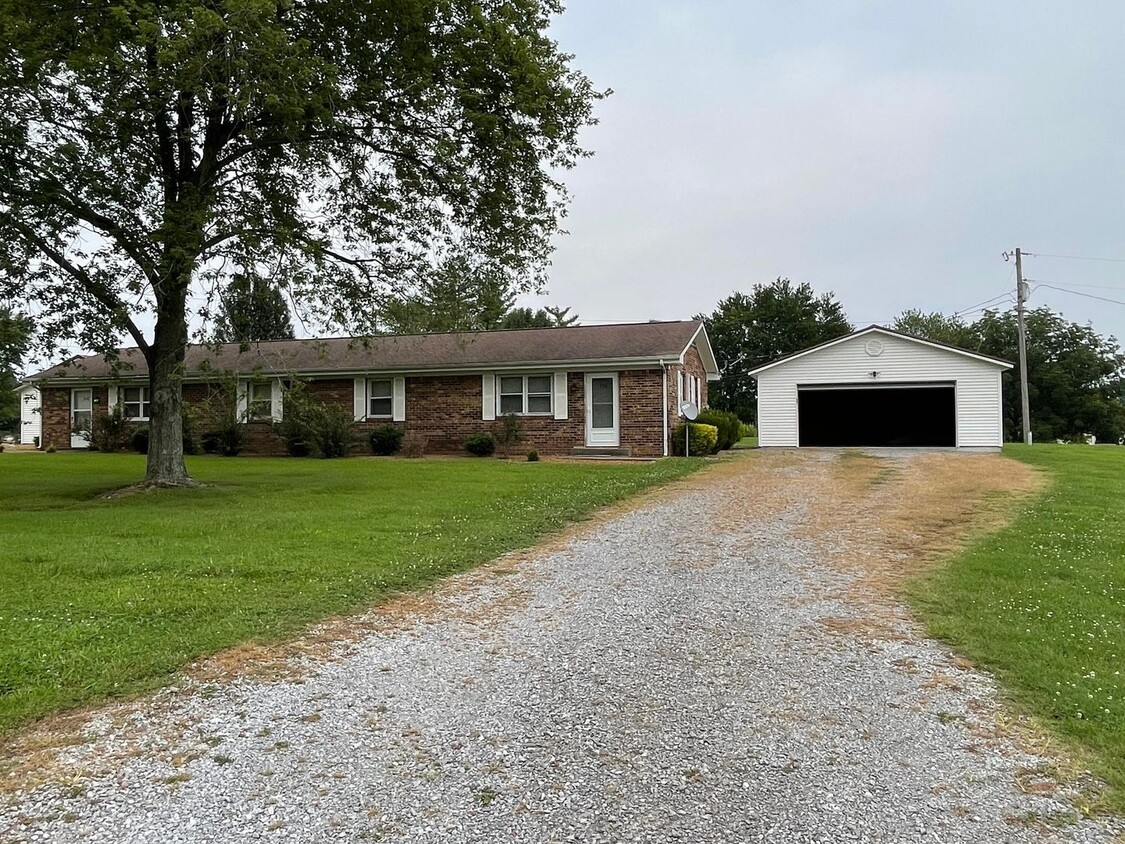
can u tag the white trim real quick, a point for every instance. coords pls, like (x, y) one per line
(712, 371)
(241, 408)
(75, 440)
(488, 396)
(359, 399)
(561, 409)
(525, 392)
(372, 395)
(616, 430)
(111, 397)
(145, 399)
(277, 400)
(398, 399)
(885, 332)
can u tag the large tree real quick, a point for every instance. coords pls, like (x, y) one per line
(15, 338)
(148, 145)
(1075, 377)
(252, 309)
(750, 329)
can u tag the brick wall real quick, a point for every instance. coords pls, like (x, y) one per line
(445, 409)
(693, 365)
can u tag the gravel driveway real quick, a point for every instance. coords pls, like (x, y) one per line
(681, 671)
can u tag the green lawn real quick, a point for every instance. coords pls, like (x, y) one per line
(107, 597)
(1042, 603)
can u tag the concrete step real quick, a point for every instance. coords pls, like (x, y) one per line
(595, 451)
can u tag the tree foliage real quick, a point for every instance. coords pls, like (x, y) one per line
(15, 339)
(147, 146)
(252, 309)
(460, 294)
(551, 317)
(748, 330)
(1075, 377)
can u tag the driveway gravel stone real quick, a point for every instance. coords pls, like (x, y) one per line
(664, 675)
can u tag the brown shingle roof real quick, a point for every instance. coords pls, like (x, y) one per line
(646, 341)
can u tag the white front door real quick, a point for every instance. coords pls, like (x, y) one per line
(81, 417)
(602, 411)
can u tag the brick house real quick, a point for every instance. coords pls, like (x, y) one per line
(613, 389)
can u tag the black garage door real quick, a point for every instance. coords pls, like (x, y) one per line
(877, 416)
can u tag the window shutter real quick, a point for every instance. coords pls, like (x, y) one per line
(277, 400)
(111, 398)
(240, 406)
(398, 399)
(679, 389)
(359, 399)
(488, 396)
(560, 395)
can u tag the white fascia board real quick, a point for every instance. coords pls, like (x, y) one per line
(710, 363)
(875, 329)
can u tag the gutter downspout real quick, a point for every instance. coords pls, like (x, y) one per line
(664, 402)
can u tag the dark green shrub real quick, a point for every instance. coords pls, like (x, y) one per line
(110, 430)
(533, 456)
(480, 445)
(139, 440)
(386, 439)
(226, 440)
(703, 439)
(310, 426)
(728, 424)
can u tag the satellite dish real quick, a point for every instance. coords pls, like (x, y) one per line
(688, 410)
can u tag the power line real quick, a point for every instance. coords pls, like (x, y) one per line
(979, 305)
(1079, 293)
(1073, 257)
(1075, 284)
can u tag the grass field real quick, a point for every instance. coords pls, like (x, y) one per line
(107, 597)
(1042, 603)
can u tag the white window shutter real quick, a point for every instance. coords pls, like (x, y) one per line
(560, 395)
(359, 399)
(277, 400)
(240, 406)
(398, 399)
(679, 388)
(488, 396)
(111, 398)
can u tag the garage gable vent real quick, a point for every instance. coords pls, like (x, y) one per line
(874, 347)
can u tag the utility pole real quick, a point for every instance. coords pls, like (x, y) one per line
(1021, 297)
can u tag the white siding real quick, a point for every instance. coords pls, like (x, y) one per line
(31, 420)
(903, 361)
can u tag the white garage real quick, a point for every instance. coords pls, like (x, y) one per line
(877, 387)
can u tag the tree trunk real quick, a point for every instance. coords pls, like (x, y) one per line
(166, 371)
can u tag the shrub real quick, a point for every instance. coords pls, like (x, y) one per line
(190, 421)
(507, 431)
(386, 439)
(110, 430)
(139, 440)
(747, 430)
(414, 444)
(310, 426)
(728, 425)
(480, 445)
(703, 439)
(50, 449)
(533, 456)
(225, 440)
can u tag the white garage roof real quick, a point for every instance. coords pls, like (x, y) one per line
(878, 329)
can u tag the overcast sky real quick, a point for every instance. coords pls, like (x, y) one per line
(886, 151)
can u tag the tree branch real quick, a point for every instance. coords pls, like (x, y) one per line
(103, 294)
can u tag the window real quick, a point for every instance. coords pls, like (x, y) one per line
(135, 402)
(380, 398)
(525, 394)
(259, 401)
